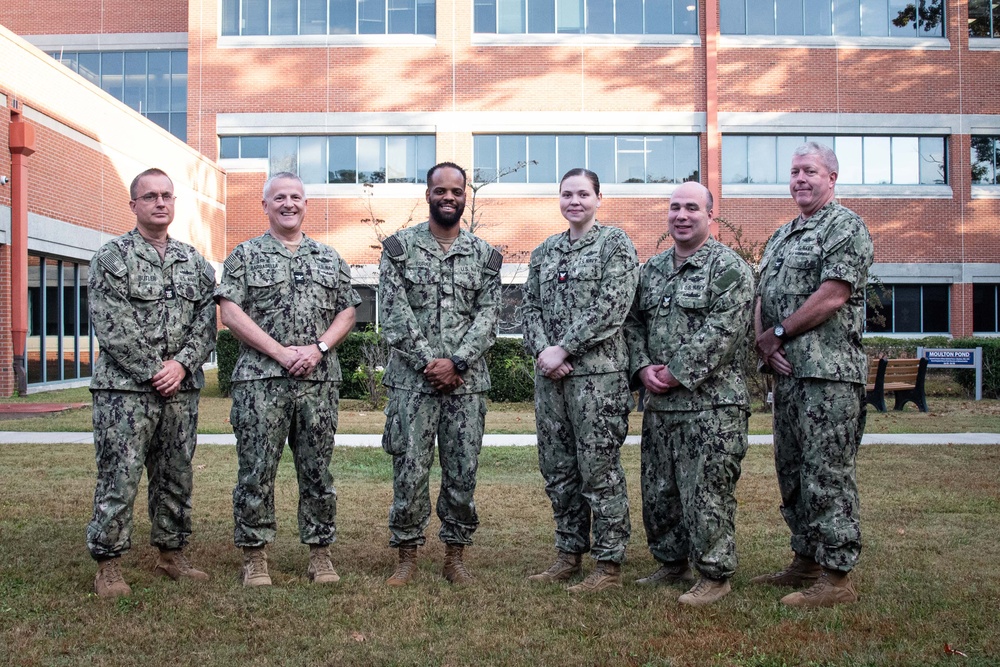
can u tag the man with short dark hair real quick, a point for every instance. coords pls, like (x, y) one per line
(152, 312)
(809, 319)
(289, 301)
(439, 304)
(687, 333)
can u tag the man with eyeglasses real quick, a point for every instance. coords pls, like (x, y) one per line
(152, 311)
(289, 301)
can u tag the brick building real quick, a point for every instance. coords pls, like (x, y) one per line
(360, 96)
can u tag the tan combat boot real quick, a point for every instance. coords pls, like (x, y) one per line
(606, 575)
(406, 567)
(566, 566)
(832, 588)
(800, 573)
(320, 566)
(674, 572)
(255, 567)
(109, 582)
(706, 591)
(174, 564)
(454, 568)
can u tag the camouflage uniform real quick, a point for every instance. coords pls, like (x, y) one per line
(293, 297)
(819, 412)
(695, 320)
(145, 311)
(577, 296)
(436, 305)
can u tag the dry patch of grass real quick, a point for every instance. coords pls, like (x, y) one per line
(927, 577)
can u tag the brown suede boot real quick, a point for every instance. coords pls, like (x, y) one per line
(320, 566)
(406, 567)
(109, 582)
(454, 568)
(255, 567)
(705, 592)
(174, 564)
(606, 575)
(800, 573)
(674, 572)
(832, 588)
(566, 566)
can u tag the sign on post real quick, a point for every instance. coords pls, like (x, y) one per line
(944, 357)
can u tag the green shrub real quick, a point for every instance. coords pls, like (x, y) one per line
(349, 354)
(991, 366)
(227, 350)
(900, 348)
(512, 372)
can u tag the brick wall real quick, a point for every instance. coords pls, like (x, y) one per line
(88, 17)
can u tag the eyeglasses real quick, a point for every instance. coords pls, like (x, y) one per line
(151, 197)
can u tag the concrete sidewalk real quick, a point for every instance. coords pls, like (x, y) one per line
(375, 440)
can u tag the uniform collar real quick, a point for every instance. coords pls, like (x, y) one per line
(272, 245)
(462, 245)
(175, 252)
(591, 236)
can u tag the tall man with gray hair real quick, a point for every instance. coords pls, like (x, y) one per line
(809, 319)
(289, 301)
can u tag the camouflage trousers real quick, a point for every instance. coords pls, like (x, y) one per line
(265, 413)
(818, 426)
(690, 466)
(412, 423)
(582, 422)
(133, 430)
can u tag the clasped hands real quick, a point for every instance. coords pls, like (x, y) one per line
(552, 362)
(301, 360)
(771, 351)
(657, 378)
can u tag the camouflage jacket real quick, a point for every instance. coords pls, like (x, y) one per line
(146, 311)
(577, 296)
(293, 298)
(436, 305)
(833, 244)
(696, 321)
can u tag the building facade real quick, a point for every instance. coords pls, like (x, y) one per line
(360, 96)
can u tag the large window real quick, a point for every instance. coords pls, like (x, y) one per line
(328, 17)
(909, 309)
(154, 83)
(613, 17)
(986, 308)
(544, 158)
(863, 160)
(986, 159)
(59, 337)
(866, 18)
(340, 159)
(984, 18)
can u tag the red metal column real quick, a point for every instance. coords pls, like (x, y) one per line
(714, 158)
(22, 145)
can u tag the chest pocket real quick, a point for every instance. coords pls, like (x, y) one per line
(146, 291)
(467, 282)
(800, 274)
(587, 270)
(422, 286)
(265, 287)
(326, 281)
(187, 284)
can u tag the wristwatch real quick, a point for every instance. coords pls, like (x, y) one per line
(323, 347)
(779, 332)
(461, 365)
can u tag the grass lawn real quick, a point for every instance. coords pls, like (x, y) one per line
(928, 576)
(950, 412)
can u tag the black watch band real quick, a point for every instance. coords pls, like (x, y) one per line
(461, 365)
(323, 347)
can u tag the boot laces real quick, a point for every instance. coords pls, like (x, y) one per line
(321, 562)
(818, 587)
(256, 564)
(112, 572)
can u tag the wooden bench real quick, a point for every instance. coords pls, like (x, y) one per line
(903, 377)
